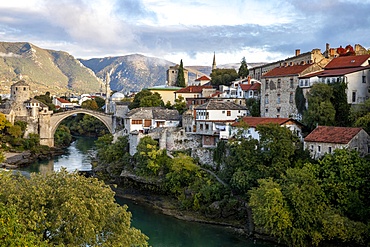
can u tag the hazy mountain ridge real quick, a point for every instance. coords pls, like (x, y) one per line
(130, 72)
(59, 72)
(45, 70)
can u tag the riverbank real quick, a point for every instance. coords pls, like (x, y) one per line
(169, 206)
(15, 160)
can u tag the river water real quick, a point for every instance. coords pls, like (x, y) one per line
(162, 230)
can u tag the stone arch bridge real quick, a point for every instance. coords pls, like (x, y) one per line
(49, 123)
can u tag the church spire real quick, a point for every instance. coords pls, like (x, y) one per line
(214, 61)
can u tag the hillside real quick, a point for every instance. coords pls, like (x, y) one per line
(130, 72)
(45, 70)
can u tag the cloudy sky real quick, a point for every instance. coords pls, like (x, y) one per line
(191, 30)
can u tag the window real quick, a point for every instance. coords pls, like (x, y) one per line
(267, 84)
(267, 110)
(353, 97)
(278, 110)
(279, 83)
(207, 126)
(291, 83)
(311, 148)
(319, 149)
(201, 126)
(266, 99)
(329, 150)
(228, 113)
(306, 82)
(291, 98)
(223, 112)
(364, 79)
(136, 121)
(278, 99)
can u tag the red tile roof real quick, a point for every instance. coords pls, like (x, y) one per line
(61, 100)
(331, 134)
(192, 89)
(347, 62)
(254, 121)
(340, 72)
(246, 87)
(203, 78)
(287, 71)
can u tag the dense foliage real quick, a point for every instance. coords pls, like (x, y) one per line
(47, 100)
(223, 76)
(145, 98)
(63, 209)
(299, 201)
(327, 105)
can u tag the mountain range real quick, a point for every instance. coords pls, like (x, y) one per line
(60, 73)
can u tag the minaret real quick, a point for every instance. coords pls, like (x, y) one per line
(214, 61)
(107, 92)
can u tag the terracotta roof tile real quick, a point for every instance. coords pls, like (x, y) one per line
(192, 89)
(347, 61)
(203, 78)
(331, 134)
(61, 100)
(286, 71)
(246, 87)
(254, 121)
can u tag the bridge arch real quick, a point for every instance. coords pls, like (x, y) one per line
(57, 118)
(48, 125)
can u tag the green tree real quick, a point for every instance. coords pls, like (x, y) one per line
(180, 105)
(363, 122)
(13, 232)
(67, 209)
(345, 175)
(180, 80)
(46, 99)
(15, 131)
(62, 136)
(278, 145)
(300, 100)
(243, 69)
(4, 123)
(100, 102)
(254, 107)
(341, 106)
(223, 76)
(320, 109)
(270, 209)
(145, 98)
(90, 105)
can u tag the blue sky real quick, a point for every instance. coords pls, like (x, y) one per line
(191, 30)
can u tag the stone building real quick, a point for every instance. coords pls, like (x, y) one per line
(313, 57)
(325, 139)
(278, 90)
(20, 107)
(172, 74)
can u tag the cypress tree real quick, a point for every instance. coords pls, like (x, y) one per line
(180, 81)
(243, 69)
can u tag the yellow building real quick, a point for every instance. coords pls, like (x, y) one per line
(166, 92)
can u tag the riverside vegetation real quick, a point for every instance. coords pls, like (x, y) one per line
(272, 186)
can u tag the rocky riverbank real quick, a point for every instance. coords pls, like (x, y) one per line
(14, 160)
(169, 206)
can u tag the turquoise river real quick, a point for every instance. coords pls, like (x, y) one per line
(162, 230)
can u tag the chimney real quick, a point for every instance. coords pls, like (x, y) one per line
(297, 52)
(327, 47)
(249, 80)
